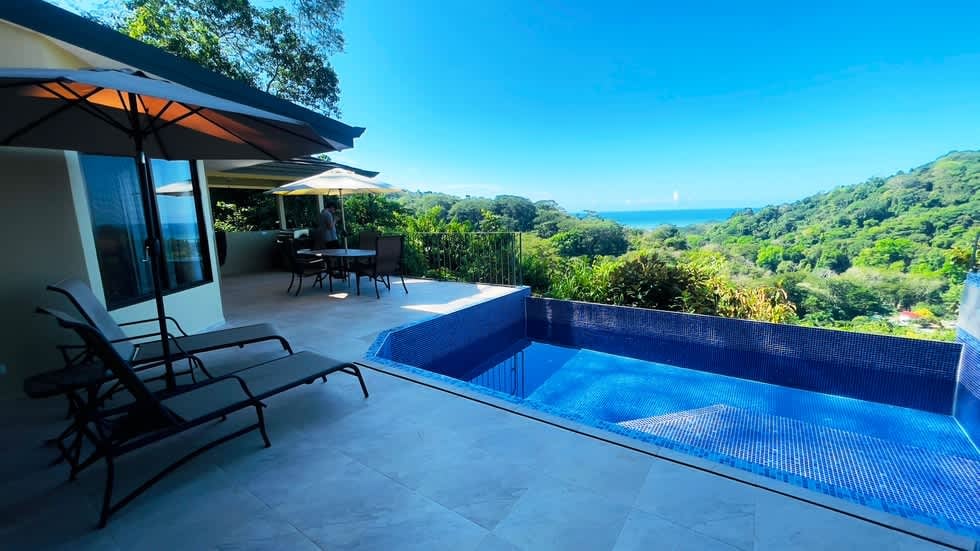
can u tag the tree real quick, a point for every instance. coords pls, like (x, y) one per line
(369, 211)
(282, 49)
(887, 251)
(593, 238)
(834, 258)
(769, 257)
(518, 209)
(851, 298)
(470, 210)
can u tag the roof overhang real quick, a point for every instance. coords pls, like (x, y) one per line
(268, 175)
(100, 46)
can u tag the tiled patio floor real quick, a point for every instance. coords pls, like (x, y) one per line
(409, 468)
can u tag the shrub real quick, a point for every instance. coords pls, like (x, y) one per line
(647, 280)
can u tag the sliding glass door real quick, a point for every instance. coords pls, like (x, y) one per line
(120, 227)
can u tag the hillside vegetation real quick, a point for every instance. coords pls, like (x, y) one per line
(863, 251)
(852, 258)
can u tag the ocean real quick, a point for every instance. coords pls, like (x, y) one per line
(648, 219)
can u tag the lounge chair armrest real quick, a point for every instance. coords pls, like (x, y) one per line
(175, 343)
(134, 337)
(149, 320)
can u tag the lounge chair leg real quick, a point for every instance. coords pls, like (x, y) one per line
(403, 283)
(110, 479)
(360, 379)
(292, 278)
(265, 435)
(200, 365)
(75, 454)
(108, 510)
(300, 287)
(376, 291)
(285, 345)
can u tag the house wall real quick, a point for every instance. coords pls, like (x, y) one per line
(41, 243)
(249, 252)
(46, 235)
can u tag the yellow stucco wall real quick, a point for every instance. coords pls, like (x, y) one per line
(41, 243)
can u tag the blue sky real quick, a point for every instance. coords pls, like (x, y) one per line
(613, 105)
(628, 105)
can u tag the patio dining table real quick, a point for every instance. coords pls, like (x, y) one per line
(344, 254)
(340, 253)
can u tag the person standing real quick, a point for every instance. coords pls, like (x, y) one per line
(326, 231)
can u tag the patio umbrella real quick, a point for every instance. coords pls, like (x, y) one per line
(335, 182)
(127, 113)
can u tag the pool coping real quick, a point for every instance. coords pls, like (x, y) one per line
(906, 526)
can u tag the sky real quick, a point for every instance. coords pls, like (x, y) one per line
(648, 105)
(628, 105)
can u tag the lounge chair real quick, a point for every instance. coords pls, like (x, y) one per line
(183, 345)
(386, 262)
(153, 417)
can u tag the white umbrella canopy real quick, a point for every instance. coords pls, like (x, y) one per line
(337, 182)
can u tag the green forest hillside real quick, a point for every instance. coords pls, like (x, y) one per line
(865, 250)
(852, 258)
(888, 255)
(911, 222)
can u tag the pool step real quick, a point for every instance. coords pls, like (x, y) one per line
(645, 424)
(921, 483)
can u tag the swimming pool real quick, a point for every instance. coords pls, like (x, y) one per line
(863, 418)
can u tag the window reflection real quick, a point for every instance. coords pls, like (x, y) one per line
(182, 244)
(120, 227)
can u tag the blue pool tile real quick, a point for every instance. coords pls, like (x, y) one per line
(905, 372)
(967, 409)
(810, 407)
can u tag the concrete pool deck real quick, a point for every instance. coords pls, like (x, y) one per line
(412, 467)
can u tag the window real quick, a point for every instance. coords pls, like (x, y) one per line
(120, 227)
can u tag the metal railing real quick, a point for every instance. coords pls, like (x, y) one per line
(475, 257)
(507, 376)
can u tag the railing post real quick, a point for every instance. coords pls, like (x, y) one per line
(520, 259)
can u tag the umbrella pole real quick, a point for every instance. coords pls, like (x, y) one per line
(343, 219)
(153, 245)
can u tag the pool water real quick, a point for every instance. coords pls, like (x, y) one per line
(915, 463)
